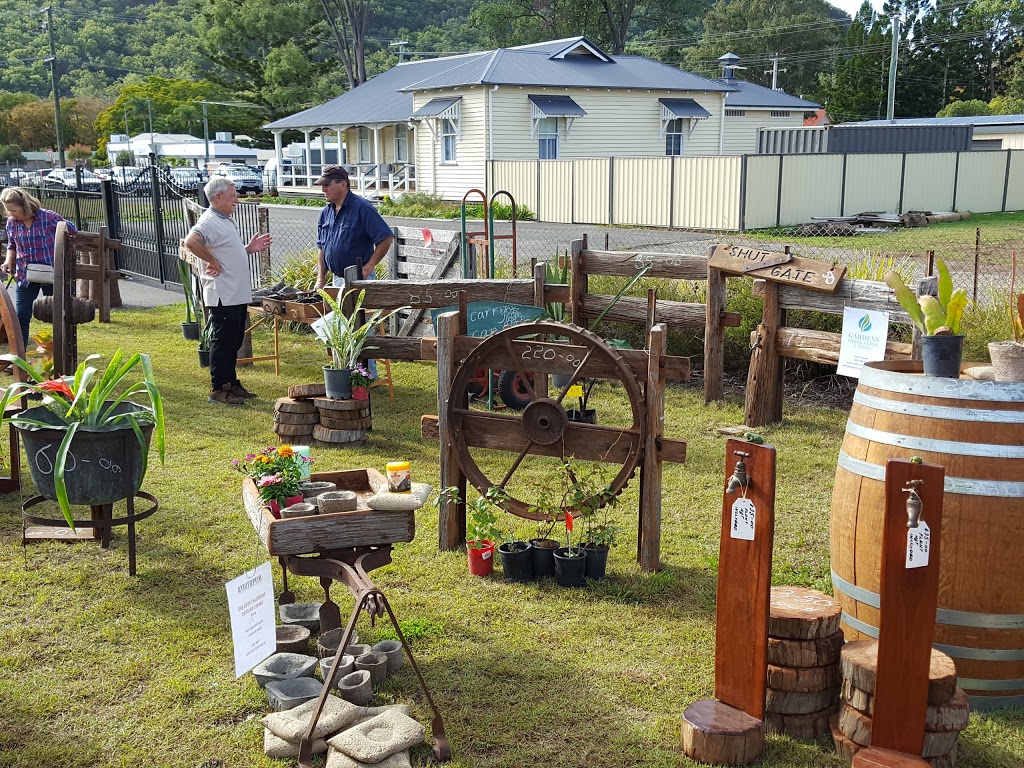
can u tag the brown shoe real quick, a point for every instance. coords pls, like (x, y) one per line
(239, 391)
(224, 396)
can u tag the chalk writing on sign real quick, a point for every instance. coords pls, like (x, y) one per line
(44, 463)
(919, 542)
(743, 518)
(542, 352)
(487, 317)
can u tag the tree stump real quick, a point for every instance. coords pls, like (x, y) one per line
(818, 652)
(714, 732)
(858, 662)
(797, 613)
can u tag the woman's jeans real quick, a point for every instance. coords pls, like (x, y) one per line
(24, 297)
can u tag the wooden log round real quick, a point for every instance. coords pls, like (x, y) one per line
(713, 732)
(811, 726)
(802, 614)
(283, 417)
(805, 653)
(954, 715)
(290, 405)
(362, 413)
(799, 702)
(885, 758)
(803, 678)
(349, 424)
(848, 750)
(976, 431)
(857, 698)
(293, 430)
(330, 404)
(859, 658)
(334, 436)
(856, 726)
(305, 391)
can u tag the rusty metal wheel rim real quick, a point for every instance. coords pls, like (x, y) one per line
(596, 346)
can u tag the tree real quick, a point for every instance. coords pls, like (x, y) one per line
(11, 154)
(125, 157)
(349, 21)
(970, 108)
(855, 89)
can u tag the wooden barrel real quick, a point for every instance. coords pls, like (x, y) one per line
(975, 429)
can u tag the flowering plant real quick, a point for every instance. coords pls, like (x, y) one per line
(360, 376)
(276, 471)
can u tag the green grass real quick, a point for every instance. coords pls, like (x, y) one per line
(106, 670)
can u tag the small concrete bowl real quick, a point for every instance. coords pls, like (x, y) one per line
(346, 665)
(393, 650)
(284, 666)
(327, 644)
(355, 687)
(288, 694)
(337, 501)
(304, 614)
(292, 638)
(374, 663)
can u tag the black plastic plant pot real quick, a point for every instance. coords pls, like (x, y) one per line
(941, 355)
(597, 561)
(517, 561)
(204, 358)
(588, 416)
(543, 552)
(103, 465)
(570, 571)
(190, 331)
(337, 383)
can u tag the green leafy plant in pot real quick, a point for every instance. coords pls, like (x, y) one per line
(570, 561)
(346, 336)
(542, 547)
(189, 328)
(588, 495)
(1008, 356)
(205, 337)
(938, 319)
(86, 426)
(482, 529)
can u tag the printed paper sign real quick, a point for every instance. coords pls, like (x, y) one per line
(320, 327)
(253, 625)
(919, 541)
(863, 340)
(743, 517)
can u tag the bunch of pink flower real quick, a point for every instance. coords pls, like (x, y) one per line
(276, 470)
(360, 376)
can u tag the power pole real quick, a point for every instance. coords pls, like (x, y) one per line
(775, 71)
(401, 48)
(890, 105)
(52, 61)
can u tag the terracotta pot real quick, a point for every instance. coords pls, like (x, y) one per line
(481, 561)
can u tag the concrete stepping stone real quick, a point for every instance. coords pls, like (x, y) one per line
(292, 724)
(275, 746)
(336, 759)
(304, 614)
(284, 666)
(374, 663)
(346, 665)
(393, 650)
(355, 687)
(327, 644)
(288, 694)
(379, 737)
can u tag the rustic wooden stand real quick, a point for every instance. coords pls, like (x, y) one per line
(908, 599)
(729, 729)
(16, 346)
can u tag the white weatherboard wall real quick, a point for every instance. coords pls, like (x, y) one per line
(452, 180)
(740, 136)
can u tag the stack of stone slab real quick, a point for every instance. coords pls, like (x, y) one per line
(295, 420)
(342, 423)
(804, 641)
(948, 706)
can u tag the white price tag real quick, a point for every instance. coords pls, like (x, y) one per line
(919, 542)
(743, 516)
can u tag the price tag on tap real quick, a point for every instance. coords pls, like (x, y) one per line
(743, 517)
(919, 542)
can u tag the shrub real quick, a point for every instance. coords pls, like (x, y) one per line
(298, 271)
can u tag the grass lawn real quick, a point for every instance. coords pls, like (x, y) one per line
(103, 669)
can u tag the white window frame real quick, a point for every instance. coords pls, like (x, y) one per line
(674, 135)
(449, 131)
(401, 144)
(363, 144)
(547, 134)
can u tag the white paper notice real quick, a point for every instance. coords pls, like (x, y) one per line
(863, 340)
(743, 516)
(319, 327)
(919, 541)
(253, 626)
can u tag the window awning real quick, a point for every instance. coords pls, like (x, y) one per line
(685, 108)
(446, 108)
(557, 106)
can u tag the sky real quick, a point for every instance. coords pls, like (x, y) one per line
(852, 6)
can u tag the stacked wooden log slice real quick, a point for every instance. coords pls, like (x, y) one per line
(295, 420)
(948, 706)
(342, 422)
(804, 641)
(715, 733)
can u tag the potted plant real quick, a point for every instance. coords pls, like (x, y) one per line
(205, 337)
(345, 336)
(542, 546)
(189, 328)
(516, 558)
(570, 561)
(481, 526)
(86, 426)
(276, 471)
(938, 319)
(589, 497)
(360, 380)
(1008, 356)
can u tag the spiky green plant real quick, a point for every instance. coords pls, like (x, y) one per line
(932, 313)
(345, 335)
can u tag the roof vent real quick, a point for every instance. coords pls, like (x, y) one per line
(729, 62)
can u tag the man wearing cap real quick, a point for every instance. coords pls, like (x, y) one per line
(349, 230)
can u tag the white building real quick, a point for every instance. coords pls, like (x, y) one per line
(220, 149)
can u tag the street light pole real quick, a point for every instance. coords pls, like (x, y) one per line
(206, 139)
(52, 61)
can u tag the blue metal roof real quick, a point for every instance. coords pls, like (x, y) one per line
(751, 96)
(435, 107)
(986, 121)
(558, 106)
(685, 108)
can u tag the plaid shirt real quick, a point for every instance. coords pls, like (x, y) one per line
(35, 245)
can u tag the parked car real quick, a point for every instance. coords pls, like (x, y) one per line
(187, 178)
(16, 176)
(64, 178)
(130, 178)
(246, 179)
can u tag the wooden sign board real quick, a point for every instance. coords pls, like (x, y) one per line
(487, 317)
(777, 267)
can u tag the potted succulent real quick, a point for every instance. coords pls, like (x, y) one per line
(276, 472)
(938, 319)
(346, 336)
(87, 425)
(189, 328)
(1008, 356)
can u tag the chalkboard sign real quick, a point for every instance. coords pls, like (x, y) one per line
(487, 317)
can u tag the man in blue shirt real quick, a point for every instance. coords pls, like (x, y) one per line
(349, 230)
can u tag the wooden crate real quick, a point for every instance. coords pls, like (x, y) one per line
(318, 533)
(272, 306)
(296, 310)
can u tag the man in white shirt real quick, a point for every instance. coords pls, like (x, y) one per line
(226, 287)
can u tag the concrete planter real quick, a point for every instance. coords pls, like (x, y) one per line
(284, 666)
(393, 650)
(355, 688)
(288, 694)
(374, 663)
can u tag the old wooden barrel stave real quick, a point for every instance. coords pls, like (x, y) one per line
(976, 431)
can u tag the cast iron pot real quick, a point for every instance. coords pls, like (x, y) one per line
(570, 570)
(517, 561)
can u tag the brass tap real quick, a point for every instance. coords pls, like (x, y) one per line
(913, 504)
(739, 477)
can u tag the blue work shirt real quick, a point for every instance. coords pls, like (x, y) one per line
(350, 234)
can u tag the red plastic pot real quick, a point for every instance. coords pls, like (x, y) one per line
(275, 508)
(360, 393)
(481, 561)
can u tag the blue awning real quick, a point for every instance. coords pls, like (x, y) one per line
(435, 107)
(686, 108)
(557, 106)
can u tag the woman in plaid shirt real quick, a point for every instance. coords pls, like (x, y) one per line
(31, 231)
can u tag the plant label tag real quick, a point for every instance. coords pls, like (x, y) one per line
(743, 516)
(253, 624)
(919, 541)
(576, 390)
(486, 554)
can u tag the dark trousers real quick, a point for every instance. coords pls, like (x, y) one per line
(228, 333)
(24, 297)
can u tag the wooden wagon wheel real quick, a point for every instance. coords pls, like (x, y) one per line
(543, 426)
